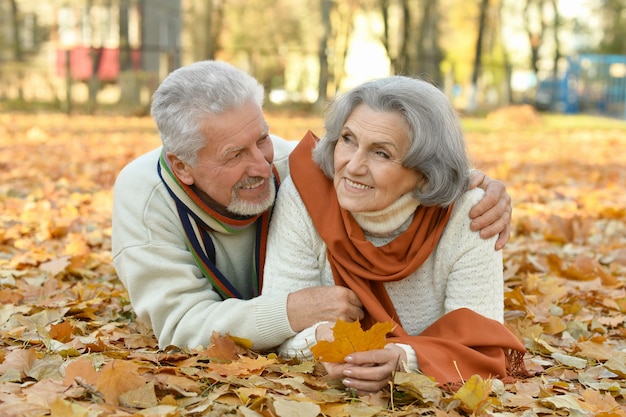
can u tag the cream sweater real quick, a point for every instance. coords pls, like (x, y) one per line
(464, 270)
(166, 288)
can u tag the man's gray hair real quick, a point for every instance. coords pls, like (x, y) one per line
(437, 148)
(189, 94)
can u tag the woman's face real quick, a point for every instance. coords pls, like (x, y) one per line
(369, 175)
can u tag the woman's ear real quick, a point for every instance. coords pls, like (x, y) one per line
(181, 169)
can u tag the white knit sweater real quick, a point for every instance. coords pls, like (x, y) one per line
(166, 288)
(464, 270)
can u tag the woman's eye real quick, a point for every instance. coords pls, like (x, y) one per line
(383, 154)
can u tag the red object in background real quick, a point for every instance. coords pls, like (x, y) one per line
(81, 63)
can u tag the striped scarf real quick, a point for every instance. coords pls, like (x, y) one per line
(198, 220)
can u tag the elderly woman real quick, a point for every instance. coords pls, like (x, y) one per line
(380, 205)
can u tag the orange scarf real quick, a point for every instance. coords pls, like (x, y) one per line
(449, 344)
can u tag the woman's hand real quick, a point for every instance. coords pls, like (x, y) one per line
(368, 372)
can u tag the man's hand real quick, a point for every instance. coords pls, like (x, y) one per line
(368, 372)
(492, 214)
(325, 303)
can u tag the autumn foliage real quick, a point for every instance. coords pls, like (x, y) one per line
(71, 345)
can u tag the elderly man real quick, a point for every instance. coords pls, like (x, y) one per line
(190, 218)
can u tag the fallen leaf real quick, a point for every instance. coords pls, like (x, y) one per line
(289, 408)
(116, 378)
(475, 394)
(62, 331)
(142, 397)
(350, 338)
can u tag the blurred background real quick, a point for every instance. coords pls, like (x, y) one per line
(88, 56)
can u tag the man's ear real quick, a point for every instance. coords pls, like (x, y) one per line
(180, 168)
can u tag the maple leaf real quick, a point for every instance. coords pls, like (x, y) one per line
(244, 366)
(223, 348)
(63, 408)
(418, 386)
(474, 394)
(62, 331)
(116, 378)
(82, 370)
(350, 338)
(19, 360)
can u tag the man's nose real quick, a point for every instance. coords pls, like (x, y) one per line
(259, 165)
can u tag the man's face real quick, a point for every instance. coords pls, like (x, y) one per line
(234, 169)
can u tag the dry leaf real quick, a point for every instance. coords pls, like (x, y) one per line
(81, 370)
(62, 331)
(350, 338)
(475, 394)
(116, 378)
(564, 268)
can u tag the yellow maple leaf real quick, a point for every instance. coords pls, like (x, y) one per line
(350, 338)
(243, 367)
(474, 394)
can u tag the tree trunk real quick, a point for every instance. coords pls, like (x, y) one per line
(535, 39)
(473, 105)
(322, 89)
(426, 58)
(213, 27)
(397, 58)
(557, 56)
(127, 81)
(17, 47)
(94, 80)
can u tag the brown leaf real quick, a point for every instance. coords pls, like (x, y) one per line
(19, 360)
(244, 366)
(142, 397)
(63, 408)
(81, 369)
(55, 266)
(116, 378)
(62, 331)
(223, 348)
(602, 405)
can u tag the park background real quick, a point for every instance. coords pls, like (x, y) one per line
(560, 55)
(554, 132)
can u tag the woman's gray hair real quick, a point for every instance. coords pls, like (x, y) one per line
(189, 94)
(437, 148)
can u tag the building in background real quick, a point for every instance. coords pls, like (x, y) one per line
(86, 47)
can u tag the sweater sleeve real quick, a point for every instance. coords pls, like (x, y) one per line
(475, 280)
(295, 255)
(295, 252)
(166, 288)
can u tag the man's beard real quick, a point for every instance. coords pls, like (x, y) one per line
(244, 208)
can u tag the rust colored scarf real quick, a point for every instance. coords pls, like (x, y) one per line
(461, 341)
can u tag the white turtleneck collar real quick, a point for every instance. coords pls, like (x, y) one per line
(385, 222)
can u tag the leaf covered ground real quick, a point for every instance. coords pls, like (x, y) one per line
(70, 344)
